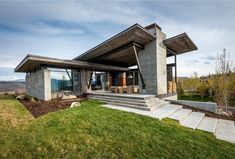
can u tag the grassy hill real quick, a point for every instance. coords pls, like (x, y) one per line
(92, 131)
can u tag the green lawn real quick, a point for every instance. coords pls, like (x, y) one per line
(195, 98)
(92, 131)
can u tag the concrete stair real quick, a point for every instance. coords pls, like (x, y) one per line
(142, 102)
(192, 120)
(225, 130)
(180, 114)
(165, 110)
(208, 124)
(222, 129)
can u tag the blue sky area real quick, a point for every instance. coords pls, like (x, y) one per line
(67, 29)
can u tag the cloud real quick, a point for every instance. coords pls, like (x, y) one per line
(207, 62)
(7, 73)
(209, 57)
(191, 61)
(67, 29)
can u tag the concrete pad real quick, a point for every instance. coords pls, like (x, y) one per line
(133, 110)
(192, 120)
(208, 124)
(224, 122)
(180, 114)
(165, 110)
(225, 130)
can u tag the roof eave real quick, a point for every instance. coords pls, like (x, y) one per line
(115, 36)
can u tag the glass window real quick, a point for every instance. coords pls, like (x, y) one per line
(61, 80)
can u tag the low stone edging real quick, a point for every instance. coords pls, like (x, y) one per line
(208, 106)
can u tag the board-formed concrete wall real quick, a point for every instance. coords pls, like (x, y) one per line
(161, 63)
(153, 65)
(85, 77)
(38, 84)
(147, 58)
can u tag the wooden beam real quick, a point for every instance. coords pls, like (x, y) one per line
(138, 45)
(139, 68)
(171, 51)
(114, 51)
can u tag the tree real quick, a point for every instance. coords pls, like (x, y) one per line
(231, 90)
(202, 87)
(221, 79)
(190, 85)
(180, 90)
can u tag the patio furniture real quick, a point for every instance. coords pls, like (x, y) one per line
(114, 89)
(123, 89)
(136, 89)
(130, 89)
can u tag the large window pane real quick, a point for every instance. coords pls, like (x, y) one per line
(60, 80)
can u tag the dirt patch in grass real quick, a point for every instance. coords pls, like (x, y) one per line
(39, 108)
(210, 114)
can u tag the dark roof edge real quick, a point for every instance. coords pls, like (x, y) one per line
(22, 62)
(153, 25)
(177, 36)
(113, 37)
(44, 58)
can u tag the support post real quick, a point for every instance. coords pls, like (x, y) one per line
(175, 72)
(139, 68)
(89, 84)
(68, 74)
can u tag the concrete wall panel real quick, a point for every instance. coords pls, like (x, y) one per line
(38, 84)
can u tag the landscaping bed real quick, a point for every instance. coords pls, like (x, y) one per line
(39, 108)
(210, 114)
(195, 98)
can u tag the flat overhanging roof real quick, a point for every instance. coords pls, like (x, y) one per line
(32, 62)
(179, 44)
(134, 34)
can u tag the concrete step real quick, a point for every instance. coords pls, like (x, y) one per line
(157, 105)
(121, 101)
(192, 120)
(130, 96)
(208, 124)
(149, 101)
(225, 130)
(115, 98)
(127, 109)
(165, 110)
(180, 114)
(128, 105)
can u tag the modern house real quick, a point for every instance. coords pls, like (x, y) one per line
(131, 62)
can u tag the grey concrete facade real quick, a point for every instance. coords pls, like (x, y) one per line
(161, 63)
(38, 84)
(148, 64)
(85, 77)
(153, 64)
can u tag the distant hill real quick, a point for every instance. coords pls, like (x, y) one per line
(11, 86)
(182, 78)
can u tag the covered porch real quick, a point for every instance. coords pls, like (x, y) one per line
(48, 78)
(120, 50)
(176, 45)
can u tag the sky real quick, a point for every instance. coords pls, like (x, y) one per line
(66, 29)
